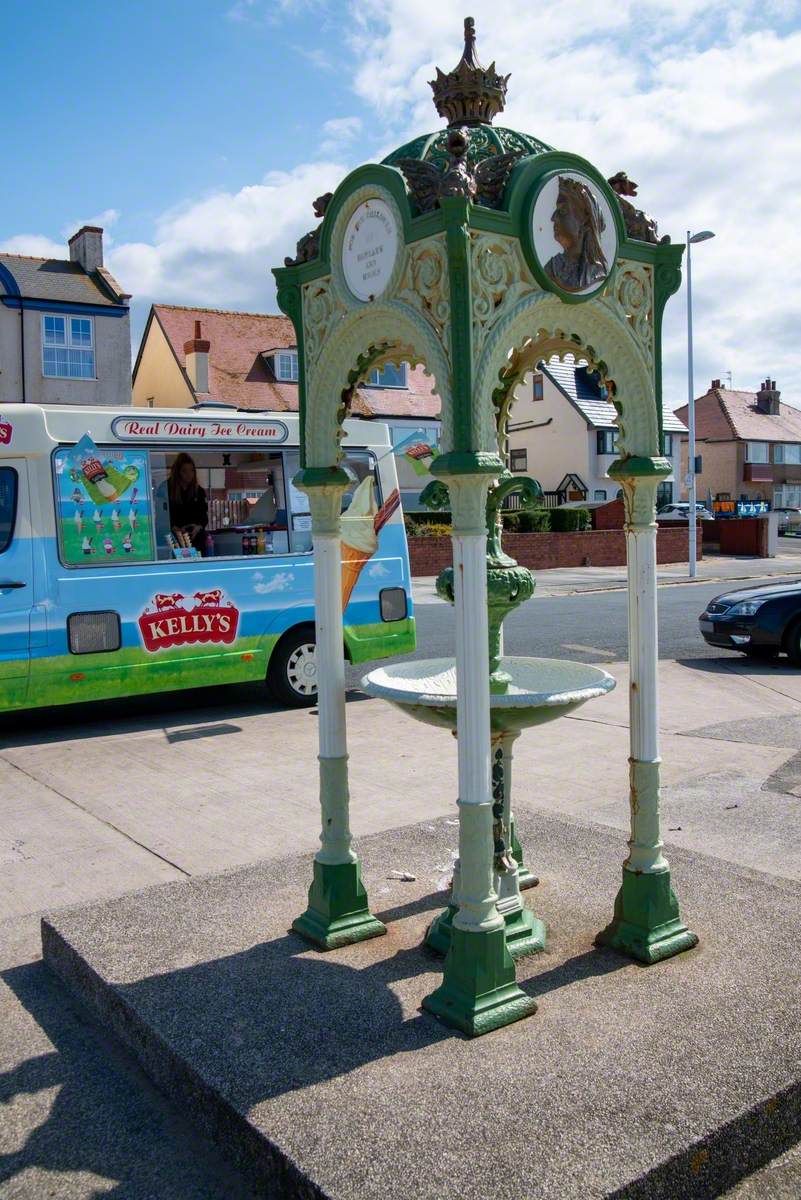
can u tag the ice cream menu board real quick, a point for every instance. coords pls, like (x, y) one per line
(104, 505)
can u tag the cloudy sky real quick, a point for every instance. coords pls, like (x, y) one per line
(198, 134)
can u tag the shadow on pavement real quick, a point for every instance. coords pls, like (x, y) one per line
(106, 1118)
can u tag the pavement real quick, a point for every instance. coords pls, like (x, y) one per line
(171, 792)
(322, 1076)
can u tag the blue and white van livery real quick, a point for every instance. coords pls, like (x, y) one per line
(97, 599)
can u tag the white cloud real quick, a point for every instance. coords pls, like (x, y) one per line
(697, 101)
(281, 581)
(35, 244)
(377, 571)
(218, 251)
(338, 133)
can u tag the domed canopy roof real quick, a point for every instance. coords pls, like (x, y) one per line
(484, 141)
(469, 96)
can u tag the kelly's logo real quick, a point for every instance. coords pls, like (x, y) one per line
(5, 433)
(166, 622)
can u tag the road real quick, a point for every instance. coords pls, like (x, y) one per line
(588, 626)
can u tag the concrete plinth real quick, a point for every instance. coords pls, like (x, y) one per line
(320, 1073)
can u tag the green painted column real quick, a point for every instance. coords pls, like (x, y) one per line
(338, 912)
(646, 922)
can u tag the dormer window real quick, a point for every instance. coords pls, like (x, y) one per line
(286, 365)
(389, 376)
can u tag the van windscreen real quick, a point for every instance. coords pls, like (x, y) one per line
(8, 505)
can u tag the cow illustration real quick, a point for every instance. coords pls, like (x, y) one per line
(211, 599)
(163, 601)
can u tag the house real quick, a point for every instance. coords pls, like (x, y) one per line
(203, 355)
(749, 444)
(65, 330)
(562, 429)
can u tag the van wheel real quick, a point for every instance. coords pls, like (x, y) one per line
(292, 674)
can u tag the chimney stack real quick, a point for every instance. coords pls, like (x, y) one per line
(767, 398)
(197, 360)
(86, 248)
(715, 384)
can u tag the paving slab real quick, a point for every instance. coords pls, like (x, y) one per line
(320, 1073)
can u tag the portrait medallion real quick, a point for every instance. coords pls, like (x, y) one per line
(574, 233)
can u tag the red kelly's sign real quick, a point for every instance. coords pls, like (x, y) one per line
(168, 624)
(6, 432)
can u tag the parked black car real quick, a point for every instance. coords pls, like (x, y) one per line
(760, 621)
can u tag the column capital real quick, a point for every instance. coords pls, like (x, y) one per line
(468, 495)
(324, 487)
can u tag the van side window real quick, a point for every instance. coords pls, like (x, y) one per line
(8, 505)
(211, 503)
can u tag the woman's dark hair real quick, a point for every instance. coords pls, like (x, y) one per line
(174, 485)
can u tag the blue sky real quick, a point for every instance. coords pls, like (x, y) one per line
(199, 133)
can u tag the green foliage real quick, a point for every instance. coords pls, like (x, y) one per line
(535, 520)
(421, 526)
(570, 520)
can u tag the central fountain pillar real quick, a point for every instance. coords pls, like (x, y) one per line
(479, 991)
(646, 922)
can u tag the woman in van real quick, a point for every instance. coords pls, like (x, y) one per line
(189, 511)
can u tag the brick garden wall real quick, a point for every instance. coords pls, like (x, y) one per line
(539, 551)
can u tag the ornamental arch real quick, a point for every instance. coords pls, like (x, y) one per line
(477, 251)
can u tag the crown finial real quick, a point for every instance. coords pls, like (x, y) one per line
(469, 94)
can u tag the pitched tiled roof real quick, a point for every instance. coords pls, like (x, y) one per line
(723, 414)
(57, 279)
(238, 374)
(580, 387)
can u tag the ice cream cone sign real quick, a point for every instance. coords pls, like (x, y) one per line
(361, 524)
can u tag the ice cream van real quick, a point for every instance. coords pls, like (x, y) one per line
(147, 550)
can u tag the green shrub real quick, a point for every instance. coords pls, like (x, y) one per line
(569, 520)
(511, 521)
(536, 520)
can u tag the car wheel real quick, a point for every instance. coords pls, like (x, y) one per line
(292, 674)
(793, 644)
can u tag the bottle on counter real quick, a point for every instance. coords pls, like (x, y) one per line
(209, 545)
(261, 541)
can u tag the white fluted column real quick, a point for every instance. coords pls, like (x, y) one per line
(325, 504)
(645, 843)
(477, 897)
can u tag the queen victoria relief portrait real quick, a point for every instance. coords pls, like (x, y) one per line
(574, 234)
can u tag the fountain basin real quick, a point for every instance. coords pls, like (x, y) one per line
(541, 689)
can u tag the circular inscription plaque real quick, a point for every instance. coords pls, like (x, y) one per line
(370, 249)
(574, 233)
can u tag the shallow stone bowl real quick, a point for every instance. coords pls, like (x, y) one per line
(541, 690)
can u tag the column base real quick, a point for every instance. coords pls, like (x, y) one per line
(525, 933)
(479, 991)
(338, 913)
(646, 924)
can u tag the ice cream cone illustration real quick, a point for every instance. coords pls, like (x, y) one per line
(115, 518)
(359, 538)
(78, 519)
(98, 520)
(360, 527)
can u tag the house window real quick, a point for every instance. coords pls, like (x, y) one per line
(286, 366)
(787, 453)
(664, 494)
(389, 376)
(757, 452)
(668, 440)
(518, 460)
(537, 393)
(606, 441)
(599, 494)
(68, 347)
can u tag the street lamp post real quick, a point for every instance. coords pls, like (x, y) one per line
(692, 525)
